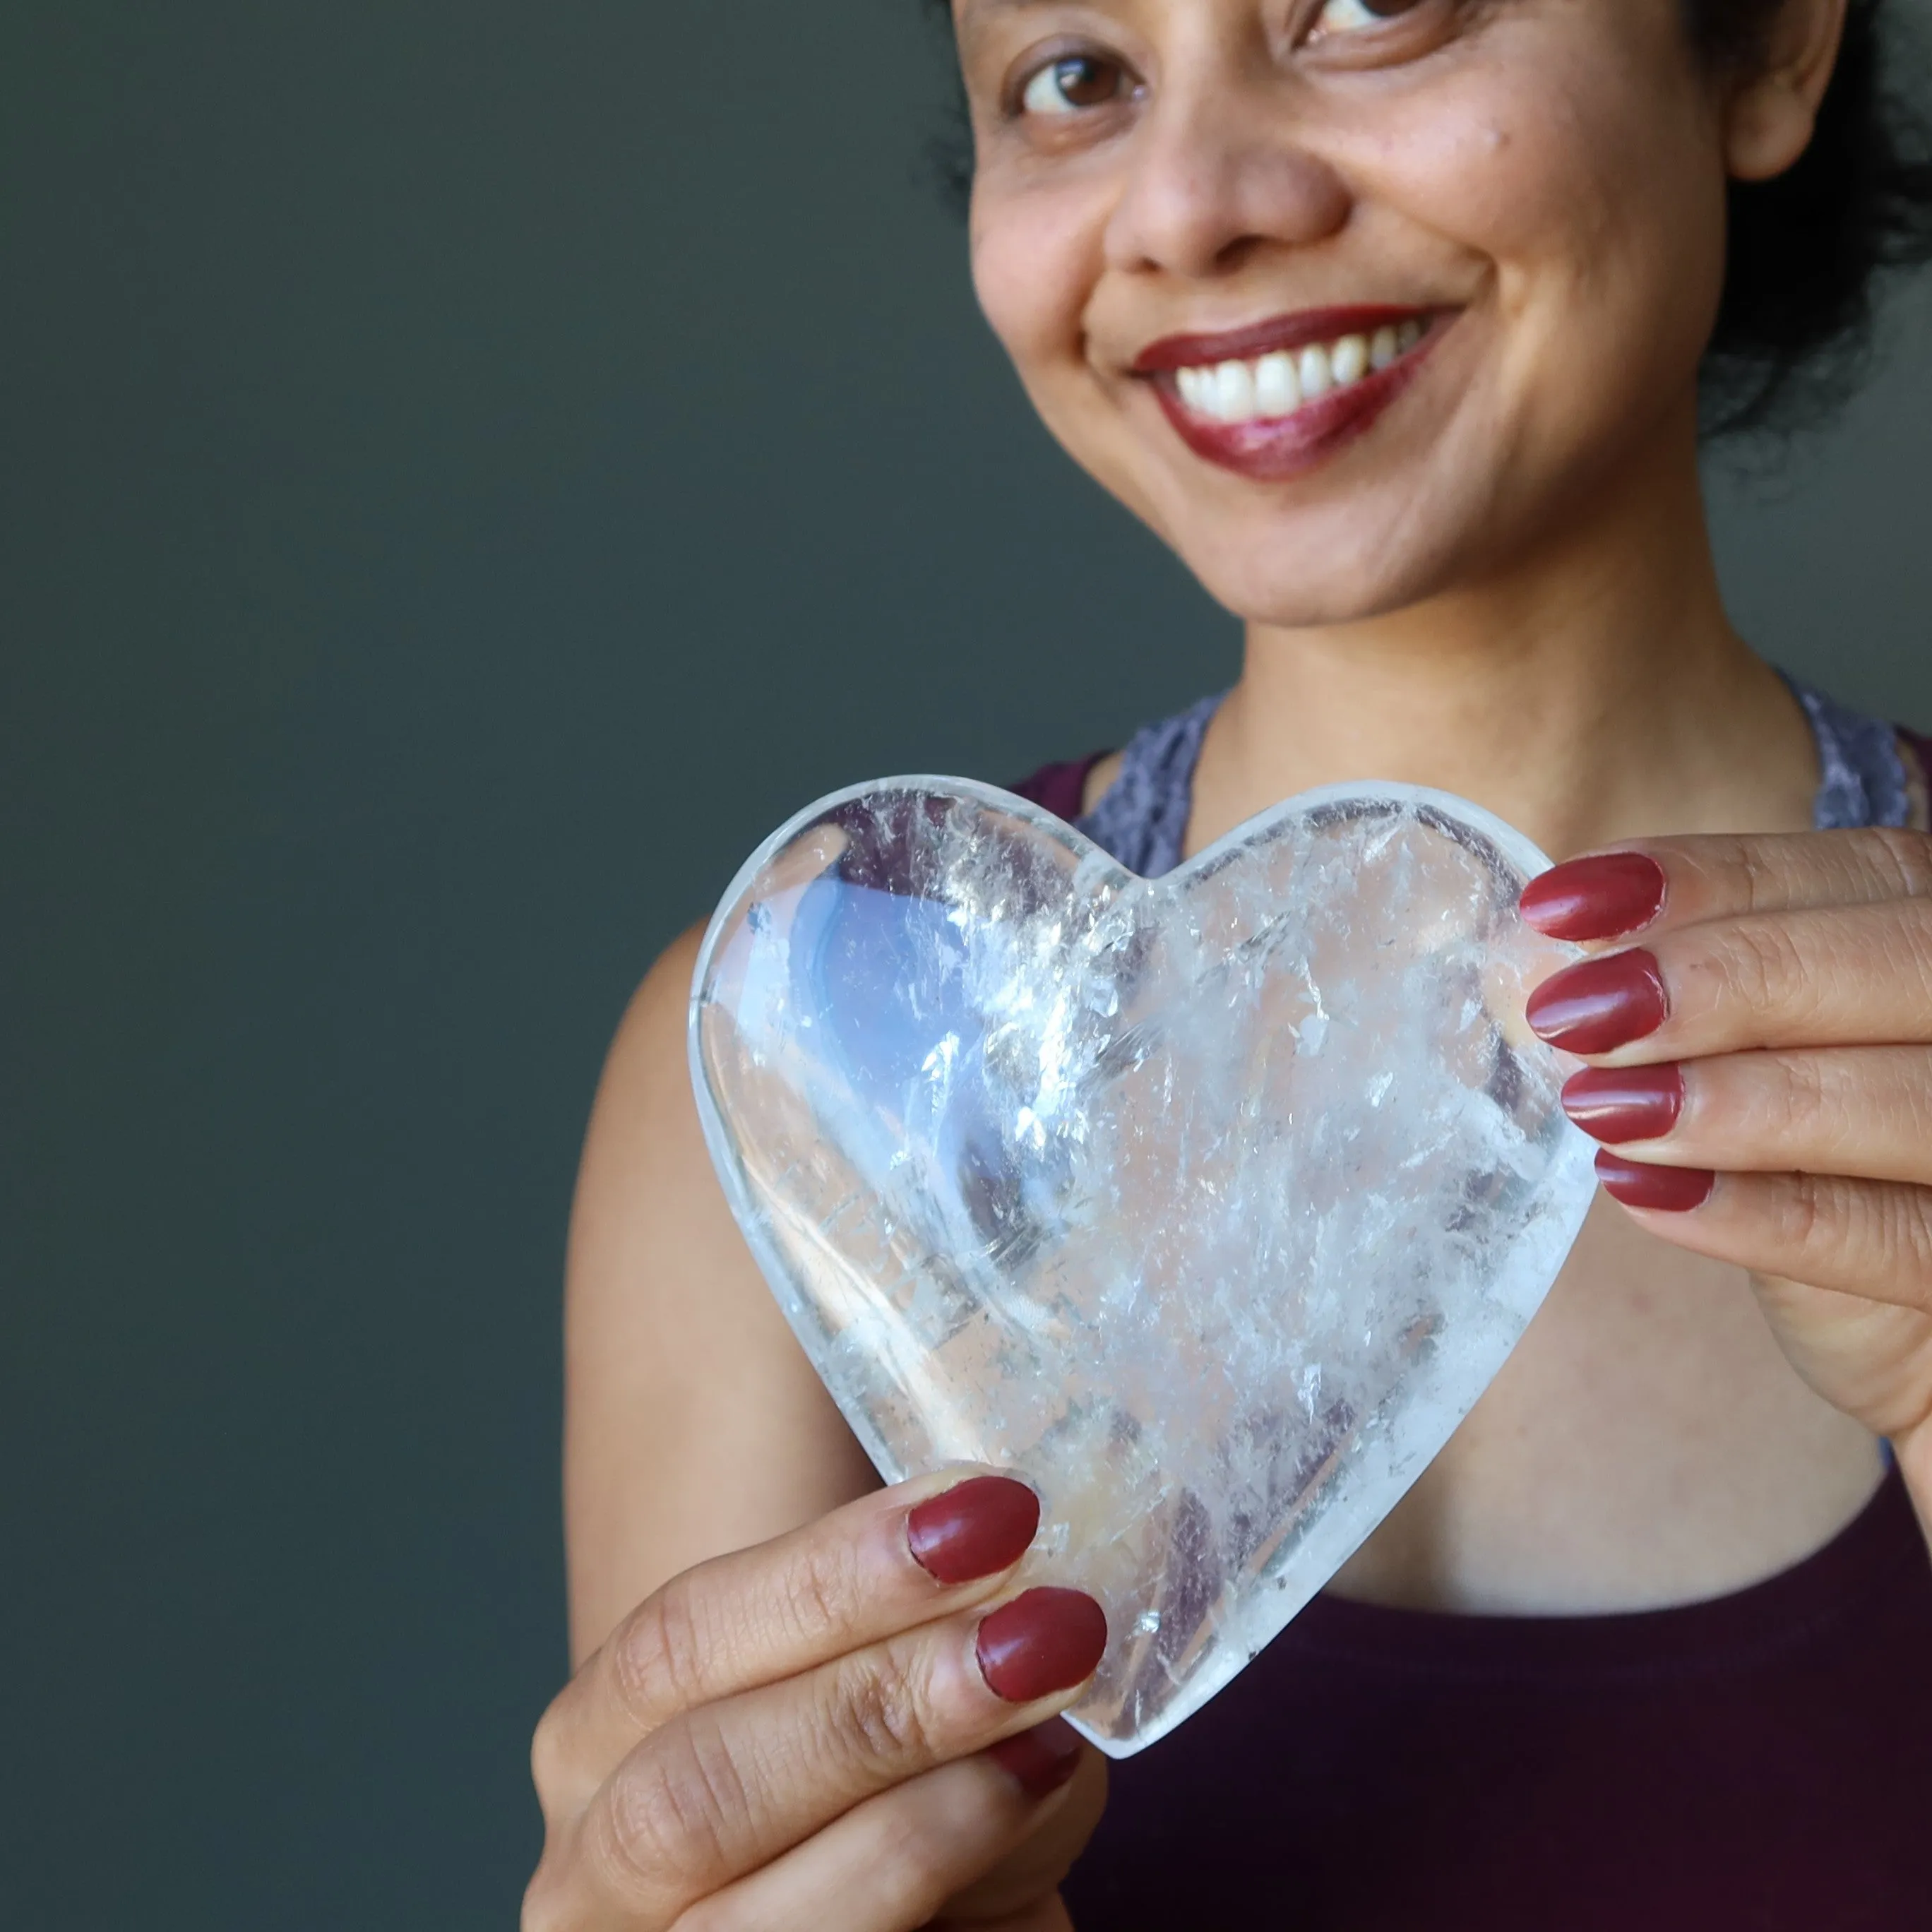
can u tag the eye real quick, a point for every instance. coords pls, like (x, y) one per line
(1351, 16)
(1073, 83)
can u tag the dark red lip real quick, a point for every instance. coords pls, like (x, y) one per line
(1275, 449)
(1263, 338)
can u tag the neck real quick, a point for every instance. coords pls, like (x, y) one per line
(1589, 691)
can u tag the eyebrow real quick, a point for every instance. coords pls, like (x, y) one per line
(974, 15)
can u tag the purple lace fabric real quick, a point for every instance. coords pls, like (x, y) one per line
(1142, 818)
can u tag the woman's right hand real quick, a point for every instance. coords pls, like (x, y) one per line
(844, 1728)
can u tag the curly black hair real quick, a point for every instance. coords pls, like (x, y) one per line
(1806, 253)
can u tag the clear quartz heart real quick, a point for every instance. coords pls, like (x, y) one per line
(1208, 1204)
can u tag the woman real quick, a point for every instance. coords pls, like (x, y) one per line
(1389, 315)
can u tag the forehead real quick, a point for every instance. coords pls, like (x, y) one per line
(976, 18)
(980, 13)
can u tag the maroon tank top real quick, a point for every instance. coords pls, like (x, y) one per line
(1760, 1761)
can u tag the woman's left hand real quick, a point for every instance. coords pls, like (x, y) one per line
(1757, 1021)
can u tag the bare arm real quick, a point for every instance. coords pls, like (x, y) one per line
(840, 1711)
(694, 1424)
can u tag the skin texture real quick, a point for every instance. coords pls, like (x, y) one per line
(1504, 589)
(1236, 191)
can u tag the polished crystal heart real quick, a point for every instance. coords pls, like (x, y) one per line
(1209, 1204)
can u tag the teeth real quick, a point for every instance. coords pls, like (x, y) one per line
(1277, 387)
(1278, 383)
(1233, 392)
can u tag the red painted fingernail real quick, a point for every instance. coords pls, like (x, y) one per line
(1675, 1190)
(1625, 1103)
(1044, 1641)
(1043, 1759)
(1595, 898)
(976, 1529)
(1598, 1004)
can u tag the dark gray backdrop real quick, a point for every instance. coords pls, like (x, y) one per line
(469, 470)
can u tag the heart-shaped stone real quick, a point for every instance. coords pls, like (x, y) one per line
(1210, 1204)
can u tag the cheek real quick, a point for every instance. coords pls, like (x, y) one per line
(1038, 257)
(1591, 178)
(1034, 258)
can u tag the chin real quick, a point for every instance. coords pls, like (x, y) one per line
(1292, 583)
(1386, 524)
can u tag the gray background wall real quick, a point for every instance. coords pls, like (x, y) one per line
(469, 470)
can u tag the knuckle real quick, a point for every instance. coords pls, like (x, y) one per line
(1888, 1238)
(821, 1589)
(1911, 919)
(1763, 875)
(550, 1760)
(922, 1868)
(1804, 1102)
(540, 1912)
(1759, 964)
(913, 1876)
(1902, 857)
(1858, 1234)
(1918, 923)
(657, 1659)
(930, 1840)
(715, 1914)
(1805, 1213)
(666, 1819)
(642, 1836)
(882, 1710)
(546, 1902)
(1913, 1244)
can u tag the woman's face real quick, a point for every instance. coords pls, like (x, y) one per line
(1351, 300)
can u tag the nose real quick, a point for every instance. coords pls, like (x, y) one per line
(1218, 168)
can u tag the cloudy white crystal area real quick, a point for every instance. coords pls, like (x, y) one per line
(1209, 1204)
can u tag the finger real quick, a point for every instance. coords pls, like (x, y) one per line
(1873, 1359)
(892, 1862)
(1865, 1111)
(1872, 1238)
(1848, 976)
(881, 1564)
(1659, 885)
(718, 1792)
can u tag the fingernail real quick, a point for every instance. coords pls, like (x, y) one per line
(976, 1529)
(1044, 1641)
(1597, 898)
(1625, 1103)
(1675, 1190)
(1598, 1004)
(1043, 1759)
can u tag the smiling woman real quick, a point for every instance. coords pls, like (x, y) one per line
(1399, 321)
(1556, 204)
(1804, 246)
